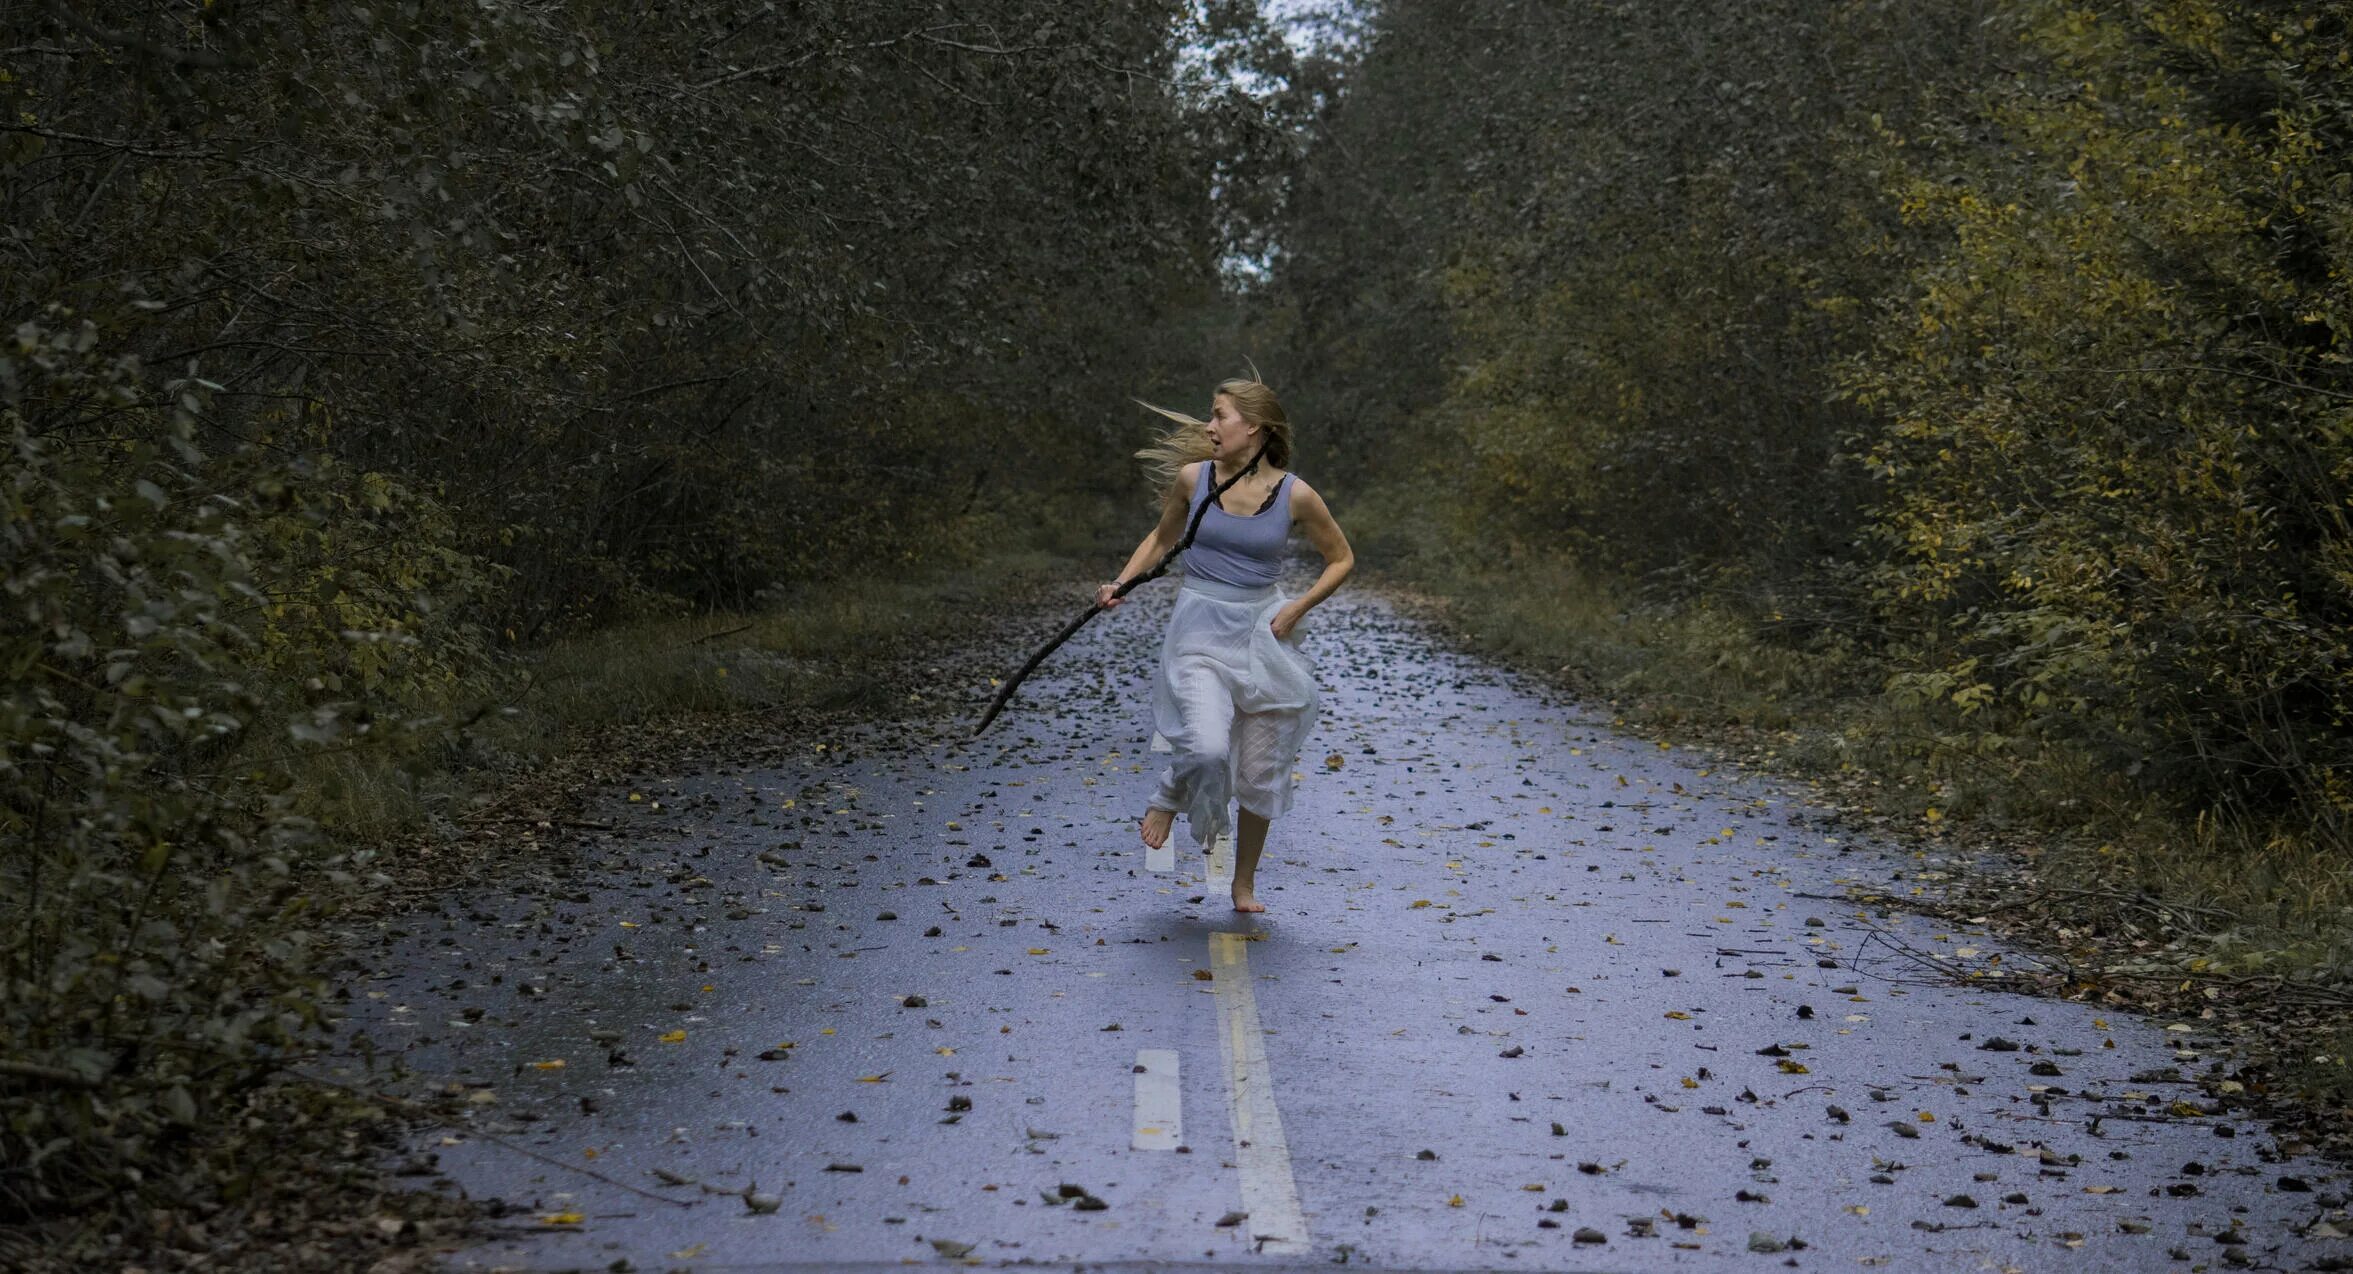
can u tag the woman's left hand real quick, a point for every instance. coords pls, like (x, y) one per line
(1286, 619)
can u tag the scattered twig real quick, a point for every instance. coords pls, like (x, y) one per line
(64, 13)
(56, 1076)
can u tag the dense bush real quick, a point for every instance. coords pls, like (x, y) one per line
(2115, 447)
(1997, 346)
(153, 958)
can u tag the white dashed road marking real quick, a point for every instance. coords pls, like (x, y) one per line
(1159, 1101)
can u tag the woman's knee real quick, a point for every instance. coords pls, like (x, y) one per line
(1208, 754)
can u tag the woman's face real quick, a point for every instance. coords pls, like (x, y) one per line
(1233, 437)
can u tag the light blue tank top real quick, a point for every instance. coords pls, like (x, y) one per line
(1246, 551)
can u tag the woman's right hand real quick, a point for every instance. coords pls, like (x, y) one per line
(1104, 600)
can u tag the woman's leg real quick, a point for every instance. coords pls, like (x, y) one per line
(1198, 780)
(1249, 839)
(1266, 745)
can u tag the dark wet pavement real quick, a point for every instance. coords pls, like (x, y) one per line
(1528, 994)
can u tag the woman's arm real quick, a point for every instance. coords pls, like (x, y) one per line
(1174, 504)
(1313, 516)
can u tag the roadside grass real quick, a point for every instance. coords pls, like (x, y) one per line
(825, 646)
(2201, 916)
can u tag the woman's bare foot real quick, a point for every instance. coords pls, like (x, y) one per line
(1246, 899)
(1156, 825)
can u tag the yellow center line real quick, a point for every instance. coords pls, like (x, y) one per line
(1269, 1193)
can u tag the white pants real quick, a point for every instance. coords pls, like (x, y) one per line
(1230, 703)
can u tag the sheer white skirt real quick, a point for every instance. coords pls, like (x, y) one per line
(1230, 703)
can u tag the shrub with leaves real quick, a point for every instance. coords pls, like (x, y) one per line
(153, 941)
(2118, 396)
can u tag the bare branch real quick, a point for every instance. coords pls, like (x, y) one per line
(125, 40)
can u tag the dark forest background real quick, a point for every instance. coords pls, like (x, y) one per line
(1959, 386)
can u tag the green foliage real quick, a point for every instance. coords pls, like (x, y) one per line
(2116, 439)
(153, 926)
(1994, 349)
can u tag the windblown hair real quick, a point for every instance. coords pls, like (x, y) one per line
(1189, 441)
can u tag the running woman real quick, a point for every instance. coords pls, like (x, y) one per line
(1234, 695)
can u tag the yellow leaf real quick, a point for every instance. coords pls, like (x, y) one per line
(1679, 1015)
(556, 1065)
(674, 1037)
(1927, 1118)
(1454, 1202)
(1037, 950)
(1792, 1066)
(561, 1218)
(1689, 1082)
(1934, 815)
(1420, 902)
(634, 798)
(874, 1079)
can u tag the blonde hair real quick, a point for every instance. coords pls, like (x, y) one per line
(1189, 441)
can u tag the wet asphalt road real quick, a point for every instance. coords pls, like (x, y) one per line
(1528, 994)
